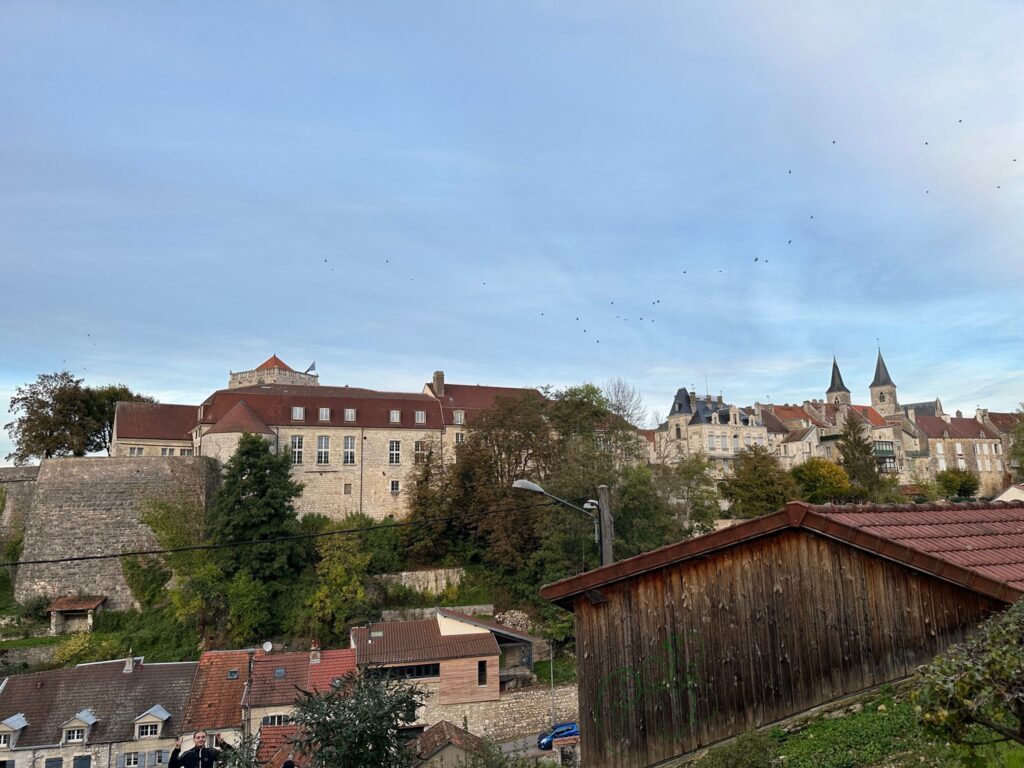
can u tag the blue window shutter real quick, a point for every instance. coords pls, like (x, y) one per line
(82, 761)
(120, 760)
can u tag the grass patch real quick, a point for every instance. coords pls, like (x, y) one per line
(890, 737)
(565, 671)
(29, 642)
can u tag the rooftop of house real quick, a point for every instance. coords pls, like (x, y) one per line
(1005, 422)
(278, 677)
(216, 700)
(76, 603)
(967, 429)
(155, 421)
(441, 734)
(978, 545)
(112, 693)
(418, 642)
(275, 744)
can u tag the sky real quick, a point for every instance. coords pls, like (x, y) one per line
(503, 190)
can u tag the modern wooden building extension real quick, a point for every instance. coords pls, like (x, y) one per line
(699, 641)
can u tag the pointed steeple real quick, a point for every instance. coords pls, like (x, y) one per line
(837, 384)
(882, 378)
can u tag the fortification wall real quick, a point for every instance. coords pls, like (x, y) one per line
(20, 486)
(90, 506)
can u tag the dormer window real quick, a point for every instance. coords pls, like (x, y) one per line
(460, 417)
(325, 414)
(74, 735)
(5, 741)
(298, 413)
(396, 417)
(148, 731)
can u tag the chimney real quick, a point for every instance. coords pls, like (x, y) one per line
(981, 414)
(911, 415)
(720, 400)
(439, 383)
(129, 663)
(959, 414)
(314, 652)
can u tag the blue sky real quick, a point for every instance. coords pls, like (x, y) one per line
(394, 188)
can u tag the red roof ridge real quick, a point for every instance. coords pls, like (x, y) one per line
(273, 362)
(240, 418)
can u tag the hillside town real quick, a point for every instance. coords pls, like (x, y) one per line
(356, 459)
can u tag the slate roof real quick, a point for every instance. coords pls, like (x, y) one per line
(837, 384)
(977, 545)
(116, 698)
(967, 429)
(155, 421)
(927, 408)
(441, 734)
(216, 699)
(241, 418)
(417, 642)
(882, 377)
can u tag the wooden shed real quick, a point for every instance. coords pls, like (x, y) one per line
(701, 640)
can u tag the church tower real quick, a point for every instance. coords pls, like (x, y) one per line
(837, 393)
(883, 391)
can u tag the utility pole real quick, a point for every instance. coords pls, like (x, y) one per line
(604, 503)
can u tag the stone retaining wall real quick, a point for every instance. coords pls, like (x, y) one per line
(20, 484)
(523, 712)
(435, 580)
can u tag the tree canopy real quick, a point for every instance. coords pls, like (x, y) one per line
(821, 481)
(56, 416)
(758, 485)
(858, 458)
(957, 483)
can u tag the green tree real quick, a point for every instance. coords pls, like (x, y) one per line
(357, 723)
(759, 485)
(101, 403)
(858, 457)
(821, 481)
(256, 502)
(978, 682)
(248, 609)
(687, 484)
(956, 482)
(340, 596)
(643, 520)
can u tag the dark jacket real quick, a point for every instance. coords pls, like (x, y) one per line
(196, 757)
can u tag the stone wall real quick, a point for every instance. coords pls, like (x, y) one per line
(523, 712)
(20, 485)
(90, 506)
(435, 580)
(418, 614)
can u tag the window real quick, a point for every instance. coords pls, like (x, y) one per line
(984, 447)
(136, 451)
(460, 417)
(711, 442)
(997, 448)
(323, 449)
(74, 734)
(735, 442)
(679, 432)
(988, 464)
(79, 761)
(187, 452)
(481, 673)
(347, 490)
(405, 672)
(459, 438)
(53, 762)
(5, 739)
(760, 439)
(395, 417)
(166, 451)
(887, 465)
(960, 463)
(350, 414)
(999, 465)
(395, 487)
(232, 674)
(959, 449)
(296, 449)
(298, 413)
(276, 720)
(148, 730)
(159, 757)
(724, 441)
(131, 759)
(348, 455)
(279, 673)
(942, 463)
(939, 449)
(747, 441)
(421, 417)
(394, 452)
(421, 448)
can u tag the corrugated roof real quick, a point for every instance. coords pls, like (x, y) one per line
(977, 545)
(116, 698)
(155, 421)
(417, 642)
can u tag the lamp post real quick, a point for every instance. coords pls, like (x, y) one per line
(602, 524)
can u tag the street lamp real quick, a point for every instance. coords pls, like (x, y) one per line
(586, 509)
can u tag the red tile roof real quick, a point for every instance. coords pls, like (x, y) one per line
(241, 418)
(155, 421)
(277, 677)
(873, 417)
(273, 362)
(333, 664)
(417, 642)
(795, 413)
(443, 733)
(978, 545)
(1005, 422)
(275, 744)
(474, 398)
(216, 698)
(76, 603)
(967, 429)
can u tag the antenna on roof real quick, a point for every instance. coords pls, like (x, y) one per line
(707, 387)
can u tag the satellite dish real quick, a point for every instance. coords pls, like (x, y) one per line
(268, 647)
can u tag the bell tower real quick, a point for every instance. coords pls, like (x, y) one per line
(837, 393)
(883, 390)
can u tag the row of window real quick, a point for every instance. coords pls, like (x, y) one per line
(394, 415)
(983, 448)
(138, 450)
(421, 448)
(714, 441)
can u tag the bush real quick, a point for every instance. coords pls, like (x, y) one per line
(751, 750)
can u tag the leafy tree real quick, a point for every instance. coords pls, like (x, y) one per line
(256, 502)
(643, 520)
(957, 482)
(821, 481)
(687, 484)
(978, 682)
(340, 597)
(243, 755)
(57, 416)
(858, 458)
(357, 723)
(248, 610)
(759, 485)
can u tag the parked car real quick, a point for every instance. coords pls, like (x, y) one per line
(546, 740)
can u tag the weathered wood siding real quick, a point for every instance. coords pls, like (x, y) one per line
(459, 681)
(694, 653)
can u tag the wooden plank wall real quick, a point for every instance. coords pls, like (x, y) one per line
(701, 651)
(458, 682)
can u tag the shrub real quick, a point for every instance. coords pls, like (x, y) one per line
(751, 750)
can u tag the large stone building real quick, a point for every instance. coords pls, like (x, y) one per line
(354, 450)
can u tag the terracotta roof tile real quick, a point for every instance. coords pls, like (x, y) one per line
(273, 362)
(240, 418)
(439, 735)
(333, 664)
(474, 398)
(278, 677)
(965, 429)
(1005, 422)
(275, 744)
(216, 699)
(416, 642)
(155, 421)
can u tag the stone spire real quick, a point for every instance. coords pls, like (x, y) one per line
(882, 378)
(837, 390)
(883, 390)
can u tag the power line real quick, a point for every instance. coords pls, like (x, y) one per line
(255, 542)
